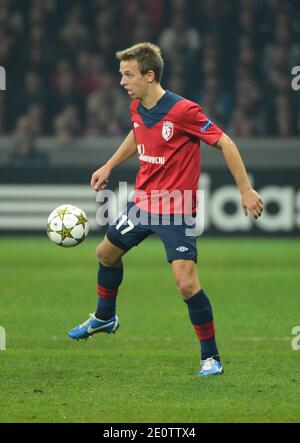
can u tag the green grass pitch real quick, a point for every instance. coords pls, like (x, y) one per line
(147, 371)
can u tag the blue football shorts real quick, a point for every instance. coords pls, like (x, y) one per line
(134, 224)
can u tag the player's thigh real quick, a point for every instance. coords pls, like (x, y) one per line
(109, 254)
(178, 245)
(186, 277)
(127, 230)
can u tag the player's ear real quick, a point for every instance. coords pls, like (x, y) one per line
(150, 76)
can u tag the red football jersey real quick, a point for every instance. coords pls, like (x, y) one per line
(168, 141)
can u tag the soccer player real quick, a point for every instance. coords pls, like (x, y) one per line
(166, 133)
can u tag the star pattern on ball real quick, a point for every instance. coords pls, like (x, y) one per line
(62, 212)
(81, 220)
(65, 233)
(67, 225)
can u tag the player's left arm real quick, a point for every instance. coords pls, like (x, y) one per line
(251, 200)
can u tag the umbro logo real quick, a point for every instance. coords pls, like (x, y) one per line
(135, 124)
(182, 249)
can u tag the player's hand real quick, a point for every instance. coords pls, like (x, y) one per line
(252, 202)
(100, 178)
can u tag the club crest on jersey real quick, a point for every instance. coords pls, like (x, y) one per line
(167, 130)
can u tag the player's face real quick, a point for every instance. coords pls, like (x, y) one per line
(132, 79)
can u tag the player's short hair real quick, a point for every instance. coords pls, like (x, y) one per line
(148, 57)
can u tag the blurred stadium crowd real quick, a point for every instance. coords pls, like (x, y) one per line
(233, 57)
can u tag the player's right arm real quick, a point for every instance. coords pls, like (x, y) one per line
(126, 150)
(196, 123)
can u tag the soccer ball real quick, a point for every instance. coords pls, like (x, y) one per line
(67, 226)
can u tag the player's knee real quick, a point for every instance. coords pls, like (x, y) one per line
(186, 287)
(99, 252)
(103, 257)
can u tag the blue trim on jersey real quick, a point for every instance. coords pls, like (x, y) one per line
(153, 115)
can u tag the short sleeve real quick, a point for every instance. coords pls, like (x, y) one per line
(194, 122)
